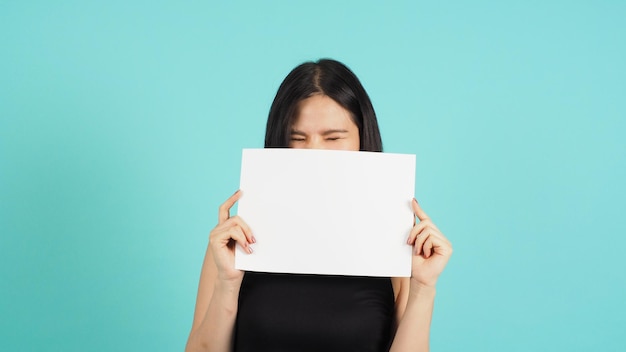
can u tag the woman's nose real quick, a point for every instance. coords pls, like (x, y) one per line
(315, 143)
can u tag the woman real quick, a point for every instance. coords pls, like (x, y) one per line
(319, 105)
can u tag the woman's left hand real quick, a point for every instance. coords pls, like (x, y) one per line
(431, 249)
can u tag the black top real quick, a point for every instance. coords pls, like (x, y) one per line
(282, 312)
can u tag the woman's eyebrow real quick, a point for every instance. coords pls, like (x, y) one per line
(327, 132)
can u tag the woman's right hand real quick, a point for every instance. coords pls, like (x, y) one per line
(229, 232)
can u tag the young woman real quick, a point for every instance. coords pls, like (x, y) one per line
(319, 105)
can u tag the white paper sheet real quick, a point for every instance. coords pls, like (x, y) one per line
(327, 212)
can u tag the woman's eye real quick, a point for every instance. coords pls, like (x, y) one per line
(297, 139)
(333, 138)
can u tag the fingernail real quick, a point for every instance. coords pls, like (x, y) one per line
(253, 239)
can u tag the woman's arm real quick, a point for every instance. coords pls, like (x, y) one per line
(215, 313)
(414, 309)
(416, 296)
(218, 291)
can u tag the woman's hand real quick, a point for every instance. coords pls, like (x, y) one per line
(431, 249)
(229, 232)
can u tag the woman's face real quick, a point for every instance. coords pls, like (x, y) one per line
(321, 123)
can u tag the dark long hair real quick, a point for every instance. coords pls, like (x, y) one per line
(330, 78)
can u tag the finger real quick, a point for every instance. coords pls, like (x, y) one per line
(428, 249)
(441, 246)
(246, 229)
(236, 233)
(421, 215)
(434, 245)
(421, 238)
(419, 228)
(225, 232)
(419, 242)
(437, 236)
(224, 210)
(413, 234)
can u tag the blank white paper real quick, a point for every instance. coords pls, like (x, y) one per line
(327, 212)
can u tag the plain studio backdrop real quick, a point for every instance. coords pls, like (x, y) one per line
(122, 125)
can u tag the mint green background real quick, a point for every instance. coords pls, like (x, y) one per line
(122, 124)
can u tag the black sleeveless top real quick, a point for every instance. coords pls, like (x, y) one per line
(284, 312)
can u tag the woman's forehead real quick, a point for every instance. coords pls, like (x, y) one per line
(320, 112)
